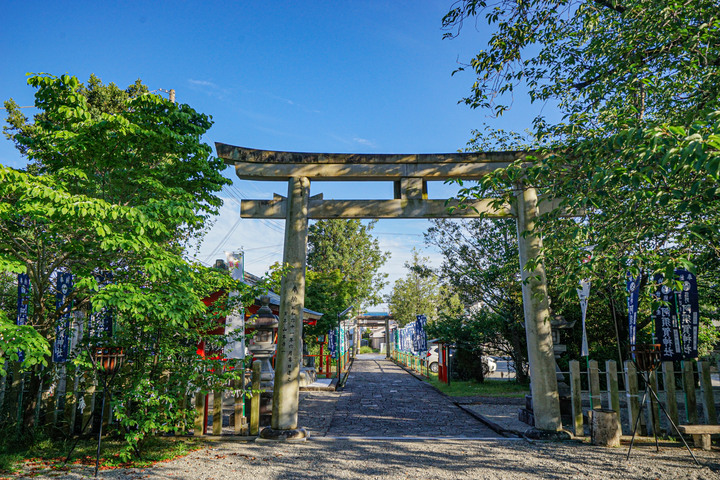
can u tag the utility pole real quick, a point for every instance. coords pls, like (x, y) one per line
(171, 93)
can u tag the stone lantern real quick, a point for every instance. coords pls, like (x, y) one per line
(262, 348)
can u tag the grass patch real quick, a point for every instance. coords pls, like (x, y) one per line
(49, 455)
(366, 349)
(489, 388)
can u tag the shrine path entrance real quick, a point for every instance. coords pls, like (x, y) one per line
(382, 400)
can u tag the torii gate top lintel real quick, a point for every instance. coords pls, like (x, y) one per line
(253, 164)
(409, 172)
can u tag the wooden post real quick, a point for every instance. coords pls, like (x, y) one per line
(17, 387)
(612, 385)
(689, 388)
(594, 373)
(321, 357)
(670, 391)
(239, 407)
(73, 407)
(707, 393)
(181, 427)
(60, 394)
(605, 428)
(576, 396)
(631, 381)
(217, 412)
(654, 407)
(199, 429)
(255, 401)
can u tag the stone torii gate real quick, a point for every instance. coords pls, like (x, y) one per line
(410, 174)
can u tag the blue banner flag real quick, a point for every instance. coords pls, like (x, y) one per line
(421, 336)
(667, 333)
(677, 318)
(633, 289)
(332, 342)
(23, 301)
(62, 330)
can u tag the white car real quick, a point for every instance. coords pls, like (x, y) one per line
(489, 365)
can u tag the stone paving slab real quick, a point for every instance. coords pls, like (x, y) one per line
(381, 399)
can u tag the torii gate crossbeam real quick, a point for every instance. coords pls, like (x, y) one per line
(410, 174)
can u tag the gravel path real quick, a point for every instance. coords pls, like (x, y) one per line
(327, 458)
(382, 400)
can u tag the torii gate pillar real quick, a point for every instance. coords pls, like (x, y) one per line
(286, 390)
(543, 381)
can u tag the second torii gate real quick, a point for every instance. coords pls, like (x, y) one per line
(410, 174)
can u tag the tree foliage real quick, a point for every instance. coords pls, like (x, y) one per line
(344, 262)
(480, 261)
(117, 181)
(421, 293)
(636, 155)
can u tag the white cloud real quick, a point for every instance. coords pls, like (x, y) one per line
(363, 141)
(209, 88)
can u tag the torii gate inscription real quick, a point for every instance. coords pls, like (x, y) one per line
(410, 174)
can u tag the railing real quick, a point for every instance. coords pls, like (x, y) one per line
(326, 365)
(417, 363)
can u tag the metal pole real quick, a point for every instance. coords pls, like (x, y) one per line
(337, 353)
(102, 414)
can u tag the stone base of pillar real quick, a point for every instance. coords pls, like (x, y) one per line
(308, 375)
(546, 435)
(295, 435)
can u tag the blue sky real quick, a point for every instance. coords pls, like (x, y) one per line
(362, 76)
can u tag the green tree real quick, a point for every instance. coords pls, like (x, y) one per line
(117, 181)
(344, 262)
(420, 293)
(637, 153)
(480, 261)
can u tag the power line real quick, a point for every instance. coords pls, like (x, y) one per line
(224, 239)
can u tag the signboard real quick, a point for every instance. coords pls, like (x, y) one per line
(677, 318)
(22, 304)
(633, 289)
(235, 321)
(62, 329)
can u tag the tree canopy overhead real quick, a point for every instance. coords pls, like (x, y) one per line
(638, 148)
(126, 147)
(600, 60)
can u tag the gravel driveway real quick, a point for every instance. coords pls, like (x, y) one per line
(326, 458)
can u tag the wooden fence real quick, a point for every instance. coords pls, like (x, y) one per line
(676, 388)
(68, 397)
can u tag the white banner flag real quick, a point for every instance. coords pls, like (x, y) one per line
(584, 293)
(235, 322)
